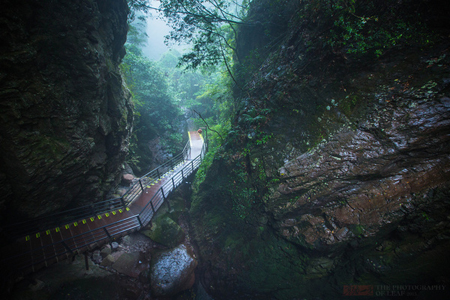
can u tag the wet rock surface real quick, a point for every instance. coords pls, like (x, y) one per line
(66, 114)
(127, 179)
(347, 183)
(172, 271)
(119, 273)
(130, 264)
(366, 177)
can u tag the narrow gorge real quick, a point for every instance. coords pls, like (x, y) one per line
(327, 123)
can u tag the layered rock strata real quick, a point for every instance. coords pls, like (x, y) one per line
(337, 171)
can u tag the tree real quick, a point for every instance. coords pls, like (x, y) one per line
(208, 25)
(137, 6)
(156, 112)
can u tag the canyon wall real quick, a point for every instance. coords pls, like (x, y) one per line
(66, 113)
(337, 169)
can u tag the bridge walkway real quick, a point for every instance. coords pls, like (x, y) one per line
(32, 252)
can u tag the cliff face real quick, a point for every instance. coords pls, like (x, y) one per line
(337, 171)
(66, 115)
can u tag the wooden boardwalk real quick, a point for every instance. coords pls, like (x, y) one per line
(33, 252)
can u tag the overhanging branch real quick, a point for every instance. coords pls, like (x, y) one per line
(207, 126)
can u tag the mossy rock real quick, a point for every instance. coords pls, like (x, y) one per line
(165, 231)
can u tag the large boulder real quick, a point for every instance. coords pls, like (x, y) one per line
(172, 271)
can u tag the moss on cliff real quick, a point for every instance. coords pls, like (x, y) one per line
(331, 156)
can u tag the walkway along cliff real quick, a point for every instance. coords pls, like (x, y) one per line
(130, 213)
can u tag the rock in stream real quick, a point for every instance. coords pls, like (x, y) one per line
(172, 271)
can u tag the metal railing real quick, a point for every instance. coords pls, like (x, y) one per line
(155, 174)
(71, 245)
(20, 229)
(176, 179)
(78, 242)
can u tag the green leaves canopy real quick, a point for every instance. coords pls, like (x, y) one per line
(207, 25)
(156, 112)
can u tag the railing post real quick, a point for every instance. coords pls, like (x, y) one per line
(109, 236)
(127, 198)
(139, 219)
(165, 199)
(153, 208)
(67, 247)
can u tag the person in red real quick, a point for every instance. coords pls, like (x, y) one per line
(200, 131)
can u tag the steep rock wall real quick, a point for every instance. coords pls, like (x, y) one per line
(337, 171)
(66, 114)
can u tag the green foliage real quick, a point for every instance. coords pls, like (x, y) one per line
(206, 92)
(156, 111)
(263, 139)
(243, 194)
(359, 36)
(150, 89)
(215, 98)
(214, 144)
(214, 102)
(137, 7)
(136, 33)
(208, 25)
(344, 28)
(366, 27)
(169, 60)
